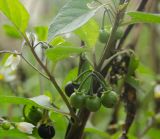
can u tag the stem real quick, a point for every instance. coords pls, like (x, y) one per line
(129, 28)
(34, 67)
(83, 73)
(100, 81)
(109, 46)
(52, 79)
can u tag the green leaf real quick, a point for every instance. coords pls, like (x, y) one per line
(73, 15)
(11, 31)
(133, 65)
(142, 17)
(72, 74)
(13, 133)
(16, 13)
(89, 33)
(41, 32)
(134, 83)
(60, 124)
(39, 101)
(96, 131)
(57, 41)
(61, 52)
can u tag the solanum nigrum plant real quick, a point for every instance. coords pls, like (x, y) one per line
(60, 76)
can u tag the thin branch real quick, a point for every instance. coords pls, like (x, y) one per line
(34, 67)
(51, 78)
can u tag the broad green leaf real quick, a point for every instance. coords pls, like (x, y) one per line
(73, 15)
(11, 31)
(16, 13)
(89, 33)
(96, 131)
(40, 101)
(41, 32)
(142, 17)
(61, 52)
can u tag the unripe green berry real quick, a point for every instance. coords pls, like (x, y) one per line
(109, 99)
(6, 125)
(103, 36)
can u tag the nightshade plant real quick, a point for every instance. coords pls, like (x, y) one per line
(107, 74)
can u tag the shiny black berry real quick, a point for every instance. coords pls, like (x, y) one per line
(70, 88)
(46, 131)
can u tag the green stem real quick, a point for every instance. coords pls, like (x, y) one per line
(82, 74)
(109, 45)
(100, 81)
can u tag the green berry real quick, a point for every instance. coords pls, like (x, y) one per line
(93, 103)
(109, 99)
(77, 100)
(6, 125)
(103, 36)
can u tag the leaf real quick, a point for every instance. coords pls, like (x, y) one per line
(96, 131)
(89, 33)
(13, 133)
(16, 13)
(134, 83)
(60, 124)
(40, 101)
(72, 74)
(41, 32)
(73, 15)
(57, 41)
(11, 31)
(61, 52)
(142, 17)
(133, 65)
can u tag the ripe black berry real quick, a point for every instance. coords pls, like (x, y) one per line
(46, 131)
(70, 88)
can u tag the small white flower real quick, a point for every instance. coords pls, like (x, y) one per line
(25, 127)
(12, 61)
(7, 74)
(157, 91)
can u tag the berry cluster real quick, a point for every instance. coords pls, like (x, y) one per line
(93, 103)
